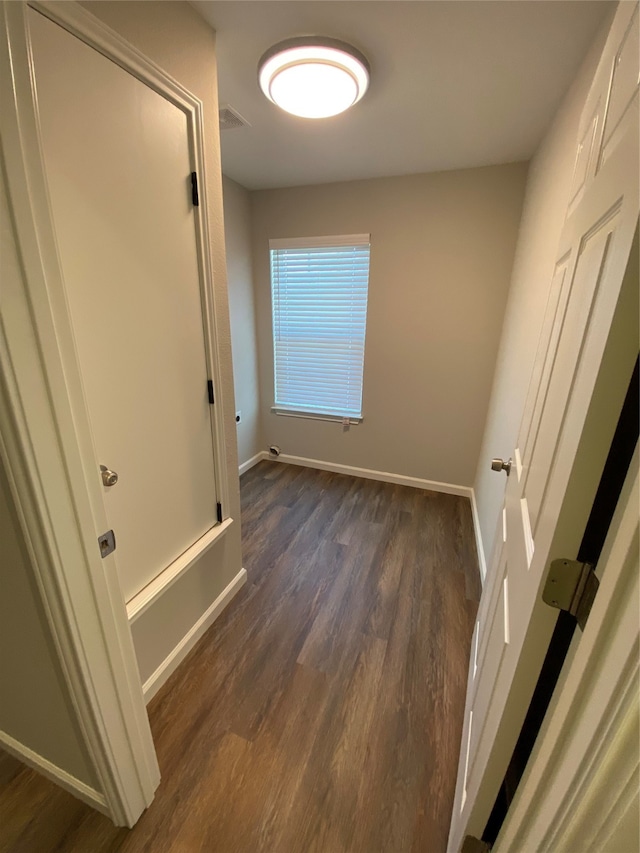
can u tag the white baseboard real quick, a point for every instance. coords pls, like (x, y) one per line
(382, 476)
(56, 774)
(478, 533)
(253, 461)
(172, 661)
(399, 479)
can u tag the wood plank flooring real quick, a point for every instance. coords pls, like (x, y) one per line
(322, 712)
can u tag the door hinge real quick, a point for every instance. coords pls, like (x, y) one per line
(219, 512)
(210, 391)
(471, 844)
(571, 586)
(194, 189)
(107, 543)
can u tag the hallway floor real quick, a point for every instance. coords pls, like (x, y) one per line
(323, 710)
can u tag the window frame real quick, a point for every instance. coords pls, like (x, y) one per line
(330, 241)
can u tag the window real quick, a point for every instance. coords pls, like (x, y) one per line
(319, 302)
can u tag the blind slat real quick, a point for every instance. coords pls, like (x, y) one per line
(319, 298)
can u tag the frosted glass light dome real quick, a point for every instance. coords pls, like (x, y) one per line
(313, 77)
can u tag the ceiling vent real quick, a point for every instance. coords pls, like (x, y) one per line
(231, 119)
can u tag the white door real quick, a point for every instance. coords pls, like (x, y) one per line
(118, 163)
(514, 626)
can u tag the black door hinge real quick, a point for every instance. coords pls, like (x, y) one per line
(194, 189)
(219, 510)
(210, 391)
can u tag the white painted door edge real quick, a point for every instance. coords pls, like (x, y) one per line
(573, 793)
(179, 653)
(46, 442)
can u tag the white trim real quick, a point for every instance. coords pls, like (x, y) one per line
(518, 461)
(307, 414)
(529, 542)
(253, 461)
(382, 476)
(179, 653)
(320, 242)
(160, 584)
(482, 562)
(74, 786)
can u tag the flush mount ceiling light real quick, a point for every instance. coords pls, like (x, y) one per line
(313, 77)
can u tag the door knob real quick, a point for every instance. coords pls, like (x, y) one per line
(500, 465)
(109, 478)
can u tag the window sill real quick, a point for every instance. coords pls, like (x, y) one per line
(315, 416)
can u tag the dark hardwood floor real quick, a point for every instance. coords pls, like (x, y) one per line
(323, 710)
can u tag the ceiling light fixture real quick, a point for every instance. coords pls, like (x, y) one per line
(313, 77)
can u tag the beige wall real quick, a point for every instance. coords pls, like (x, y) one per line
(442, 249)
(237, 228)
(543, 215)
(35, 708)
(175, 36)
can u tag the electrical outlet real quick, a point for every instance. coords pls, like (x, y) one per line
(238, 417)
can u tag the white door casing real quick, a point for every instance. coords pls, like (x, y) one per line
(46, 442)
(118, 164)
(514, 626)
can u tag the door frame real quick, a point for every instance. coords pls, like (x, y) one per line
(583, 774)
(46, 443)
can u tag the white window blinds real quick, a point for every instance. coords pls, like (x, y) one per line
(319, 298)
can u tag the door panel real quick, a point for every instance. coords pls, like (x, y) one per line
(584, 158)
(486, 620)
(548, 345)
(623, 102)
(498, 635)
(514, 626)
(118, 165)
(588, 275)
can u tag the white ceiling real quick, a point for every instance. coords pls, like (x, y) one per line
(454, 84)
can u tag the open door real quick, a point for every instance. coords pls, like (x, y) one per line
(514, 626)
